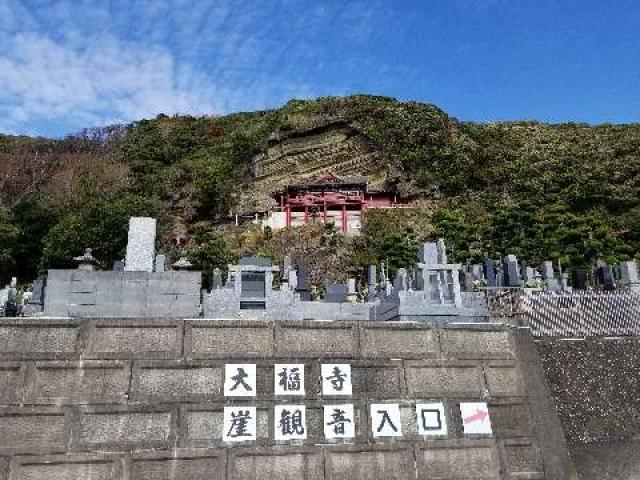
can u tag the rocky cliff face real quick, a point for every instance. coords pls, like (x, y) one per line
(304, 153)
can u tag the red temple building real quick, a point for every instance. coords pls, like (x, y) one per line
(339, 200)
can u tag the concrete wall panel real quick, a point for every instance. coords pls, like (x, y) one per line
(282, 464)
(229, 339)
(174, 381)
(123, 429)
(135, 340)
(316, 339)
(463, 343)
(436, 379)
(25, 430)
(397, 341)
(393, 463)
(80, 383)
(179, 465)
(67, 467)
(503, 379)
(30, 339)
(463, 462)
(12, 384)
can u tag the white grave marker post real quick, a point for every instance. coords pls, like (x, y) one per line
(239, 424)
(431, 419)
(289, 379)
(141, 245)
(339, 421)
(385, 420)
(290, 422)
(475, 418)
(336, 379)
(240, 380)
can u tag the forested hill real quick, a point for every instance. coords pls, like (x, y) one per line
(569, 192)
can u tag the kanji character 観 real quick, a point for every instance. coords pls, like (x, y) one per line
(290, 422)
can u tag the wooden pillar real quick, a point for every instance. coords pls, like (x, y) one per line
(288, 216)
(344, 218)
(306, 215)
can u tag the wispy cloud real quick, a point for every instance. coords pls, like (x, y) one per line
(78, 63)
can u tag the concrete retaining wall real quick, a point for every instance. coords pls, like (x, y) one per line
(142, 399)
(595, 389)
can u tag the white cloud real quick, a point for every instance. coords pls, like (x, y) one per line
(42, 79)
(81, 63)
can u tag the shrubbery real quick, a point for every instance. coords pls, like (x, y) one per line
(567, 192)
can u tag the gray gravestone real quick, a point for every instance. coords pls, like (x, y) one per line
(428, 253)
(490, 275)
(547, 270)
(38, 291)
(304, 285)
(336, 293)
(401, 282)
(141, 244)
(286, 267)
(216, 281)
(372, 282)
(160, 263)
(477, 272)
(579, 278)
(529, 275)
(629, 273)
(351, 290)
(293, 279)
(605, 277)
(442, 251)
(512, 272)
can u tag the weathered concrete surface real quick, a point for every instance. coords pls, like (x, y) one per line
(608, 461)
(594, 386)
(142, 399)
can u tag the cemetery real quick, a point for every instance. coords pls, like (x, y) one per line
(449, 371)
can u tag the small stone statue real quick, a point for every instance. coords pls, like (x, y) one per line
(86, 261)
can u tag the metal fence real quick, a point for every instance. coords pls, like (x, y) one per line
(582, 313)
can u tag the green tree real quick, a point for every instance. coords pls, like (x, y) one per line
(101, 225)
(208, 251)
(9, 235)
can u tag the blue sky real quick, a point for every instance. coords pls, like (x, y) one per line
(65, 65)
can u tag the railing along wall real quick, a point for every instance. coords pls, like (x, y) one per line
(582, 313)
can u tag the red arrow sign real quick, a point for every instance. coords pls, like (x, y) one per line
(479, 416)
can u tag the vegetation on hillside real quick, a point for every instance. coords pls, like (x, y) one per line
(567, 192)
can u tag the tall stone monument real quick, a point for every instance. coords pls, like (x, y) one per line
(141, 245)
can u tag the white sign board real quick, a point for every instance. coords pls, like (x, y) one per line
(240, 380)
(475, 418)
(431, 419)
(336, 379)
(239, 424)
(385, 420)
(290, 422)
(289, 379)
(339, 421)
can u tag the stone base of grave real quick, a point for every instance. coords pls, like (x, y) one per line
(79, 293)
